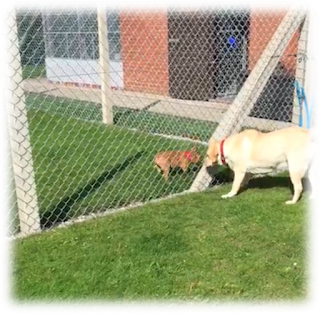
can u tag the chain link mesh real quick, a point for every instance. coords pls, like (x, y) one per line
(172, 78)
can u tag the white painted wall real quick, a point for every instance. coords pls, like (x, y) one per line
(82, 71)
(78, 70)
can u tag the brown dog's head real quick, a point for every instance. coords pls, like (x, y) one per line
(192, 155)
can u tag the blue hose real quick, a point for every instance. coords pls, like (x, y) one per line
(302, 98)
(296, 84)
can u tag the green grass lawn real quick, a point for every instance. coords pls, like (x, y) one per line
(83, 167)
(197, 246)
(136, 119)
(33, 71)
(194, 247)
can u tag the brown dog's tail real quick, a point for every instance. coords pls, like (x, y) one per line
(313, 133)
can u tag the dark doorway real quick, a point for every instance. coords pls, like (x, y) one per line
(207, 53)
(230, 55)
(190, 49)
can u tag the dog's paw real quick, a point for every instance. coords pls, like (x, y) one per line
(228, 195)
(290, 202)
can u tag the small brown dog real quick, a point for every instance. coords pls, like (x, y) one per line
(164, 161)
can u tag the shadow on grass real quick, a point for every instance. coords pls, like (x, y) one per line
(226, 176)
(190, 170)
(222, 176)
(275, 181)
(60, 212)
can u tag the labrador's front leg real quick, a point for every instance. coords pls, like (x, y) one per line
(238, 178)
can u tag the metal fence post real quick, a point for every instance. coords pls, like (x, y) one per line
(300, 71)
(310, 71)
(304, 76)
(19, 139)
(107, 114)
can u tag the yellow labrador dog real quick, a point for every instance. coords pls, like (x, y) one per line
(254, 152)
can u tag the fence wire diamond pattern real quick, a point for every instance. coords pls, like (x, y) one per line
(97, 93)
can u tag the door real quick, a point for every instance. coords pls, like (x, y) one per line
(189, 49)
(231, 29)
(207, 53)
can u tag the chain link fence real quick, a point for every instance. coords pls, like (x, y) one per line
(97, 93)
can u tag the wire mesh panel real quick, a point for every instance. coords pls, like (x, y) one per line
(171, 78)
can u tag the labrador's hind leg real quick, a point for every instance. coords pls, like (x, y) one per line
(296, 180)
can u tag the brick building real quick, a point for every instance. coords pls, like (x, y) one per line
(188, 55)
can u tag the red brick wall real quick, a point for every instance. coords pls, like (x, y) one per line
(144, 51)
(144, 47)
(262, 27)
